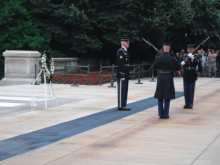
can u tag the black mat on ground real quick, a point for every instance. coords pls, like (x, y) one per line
(27, 142)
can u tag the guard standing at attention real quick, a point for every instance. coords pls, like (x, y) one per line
(190, 62)
(123, 60)
(165, 90)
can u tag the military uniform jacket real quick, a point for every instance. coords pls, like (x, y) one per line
(189, 73)
(123, 60)
(165, 85)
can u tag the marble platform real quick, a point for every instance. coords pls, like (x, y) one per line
(87, 129)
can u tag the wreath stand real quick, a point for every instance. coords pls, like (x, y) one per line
(45, 99)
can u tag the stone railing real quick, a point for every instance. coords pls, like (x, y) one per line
(59, 63)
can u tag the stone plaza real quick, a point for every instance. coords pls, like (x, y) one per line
(86, 128)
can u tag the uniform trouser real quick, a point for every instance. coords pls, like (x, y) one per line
(163, 110)
(122, 92)
(189, 89)
(218, 69)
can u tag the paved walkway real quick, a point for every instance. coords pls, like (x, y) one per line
(86, 127)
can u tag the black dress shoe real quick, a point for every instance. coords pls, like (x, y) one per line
(166, 117)
(185, 106)
(190, 107)
(124, 109)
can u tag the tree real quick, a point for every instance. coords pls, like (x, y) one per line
(94, 27)
(154, 20)
(71, 24)
(19, 30)
(206, 22)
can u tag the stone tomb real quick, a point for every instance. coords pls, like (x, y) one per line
(20, 67)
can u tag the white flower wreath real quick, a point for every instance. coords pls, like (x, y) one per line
(44, 65)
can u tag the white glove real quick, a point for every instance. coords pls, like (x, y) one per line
(183, 63)
(122, 79)
(190, 55)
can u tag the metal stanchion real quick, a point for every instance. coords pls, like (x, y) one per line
(65, 72)
(112, 80)
(88, 75)
(139, 75)
(142, 75)
(152, 77)
(35, 76)
(74, 83)
(100, 80)
(133, 71)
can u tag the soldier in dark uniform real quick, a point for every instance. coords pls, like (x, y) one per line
(189, 76)
(165, 90)
(123, 60)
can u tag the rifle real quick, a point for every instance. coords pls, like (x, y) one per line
(176, 72)
(150, 44)
(202, 43)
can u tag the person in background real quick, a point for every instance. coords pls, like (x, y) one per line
(202, 52)
(205, 65)
(209, 51)
(183, 52)
(212, 62)
(172, 54)
(199, 57)
(178, 58)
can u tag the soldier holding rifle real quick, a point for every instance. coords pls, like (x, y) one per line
(189, 74)
(165, 90)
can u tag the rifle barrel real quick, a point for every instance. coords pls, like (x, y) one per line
(202, 43)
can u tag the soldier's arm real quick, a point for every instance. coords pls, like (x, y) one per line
(121, 67)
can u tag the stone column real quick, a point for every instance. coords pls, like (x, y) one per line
(20, 67)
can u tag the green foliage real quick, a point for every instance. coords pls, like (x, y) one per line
(18, 28)
(206, 21)
(93, 27)
(71, 24)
